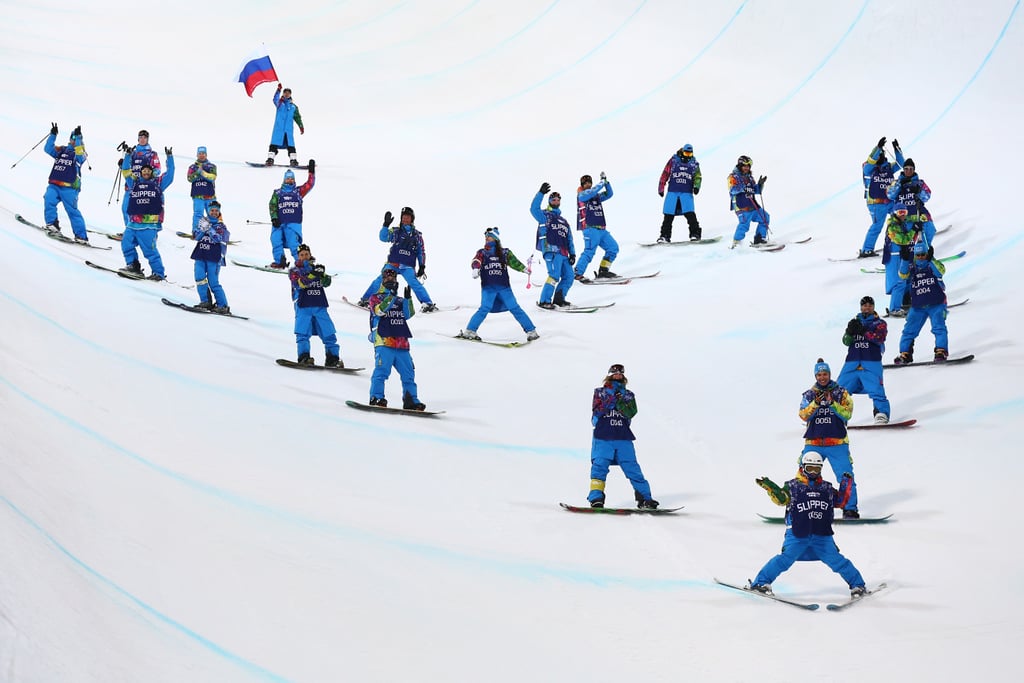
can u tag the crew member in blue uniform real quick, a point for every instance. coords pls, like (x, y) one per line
(862, 372)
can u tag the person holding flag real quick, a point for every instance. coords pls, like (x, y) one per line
(286, 115)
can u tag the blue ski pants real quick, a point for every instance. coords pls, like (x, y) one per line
(208, 280)
(866, 380)
(879, 212)
(385, 358)
(69, 198)
(496, 300)
(289, 236)
(592, 239)
(915, 321)
(144, 238)
(560, 276)
(315, 321)
(820, 548)
(604, 454)
(745, 218)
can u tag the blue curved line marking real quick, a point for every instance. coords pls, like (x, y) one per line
(206, 643)
(494, 48)
(800, 86)
(816, 206)
(503, 566)
(554, 75)
(629, 105)
(572, 453)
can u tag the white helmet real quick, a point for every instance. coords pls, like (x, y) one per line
(812, 458)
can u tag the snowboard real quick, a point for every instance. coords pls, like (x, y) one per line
(299, 366)
(887, 425)
(621, 511)
(810, 606)
(838, 520)
(188, 236)
(56, 235)
(401, 411)
(261, 164)
(948, 361)
(706, 240)
(192, 309)
(887, 314)
(491, 342)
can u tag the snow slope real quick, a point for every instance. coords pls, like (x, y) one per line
(175, 507)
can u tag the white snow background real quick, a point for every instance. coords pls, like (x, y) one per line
(176, 507)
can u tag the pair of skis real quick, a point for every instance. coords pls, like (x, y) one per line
(810, 606)
(60, 237)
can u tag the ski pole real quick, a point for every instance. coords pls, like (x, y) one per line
(113, 190)
(249, 222)
(529, 271)
(30, 151)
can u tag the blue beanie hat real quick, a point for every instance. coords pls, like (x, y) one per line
(201, 150)
(289, 174)
(493, 234)
(822, 366)
(921, 247)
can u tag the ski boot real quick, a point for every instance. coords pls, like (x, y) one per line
(156, 277)
(941, 355)
(363, 303)
(559, 299)
(762, 588)
(597, 502)
(333, 361)
(867, 253)
(52, 227)
(379, 402)
(532, 335)
(905, 358)
(223, 310)
(429, 308)
(851, 514)
(858, 592)
(82, 240)
(603, 272)
(269, 161)
(133, 268)
(470, 334)
(664, 240)
(546, 305)
(205, 306)
(306, 359)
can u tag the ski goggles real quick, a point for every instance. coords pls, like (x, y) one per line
(617, 369)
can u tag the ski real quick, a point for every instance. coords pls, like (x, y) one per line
(188, 236)
(944, 259)
(400, 411)
(133, 276)
(887, 425)
(706, 240)
(262, 164)
(57, 235)
(621, 511)
(834, 607)
(301, 366)
(771, 596)
(265, 269)
(575, 309)
(948, 361)
(838, 520)
(621, 280)
(941, 230)
(116, 236)
(105, 233)
(491, 342)
(193, 309)
(768, 248)
(888, 313)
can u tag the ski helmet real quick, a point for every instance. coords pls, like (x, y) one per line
(812, 459)
(408, 211)
(686, 150)
(143, 132)
(744, 161)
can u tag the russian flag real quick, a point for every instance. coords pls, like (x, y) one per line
(257, 70)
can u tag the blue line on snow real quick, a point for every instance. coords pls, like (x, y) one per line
(208, 644)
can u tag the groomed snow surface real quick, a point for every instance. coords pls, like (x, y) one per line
(176, 507)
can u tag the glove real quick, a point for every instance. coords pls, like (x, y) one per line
(279, 87)
(391, 286)
(77, 132)
(896, 144)
(476, 273)
(120, 162)
(388, 219)
(762, 180)
(319, 270)
(169, 151)
(906, 252)
(661, 193)
(823, 399)
(777, 494)
(545, 188)
(881, 142)
(696, 190)
(855, 327)
(572, 259)
(312, 166)
(302, 131)
(603, 176)
(931, 252)
(904, 180)
(53, 128)
(422, 273)
(276, 222)
(407, 293)
(915, 187)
